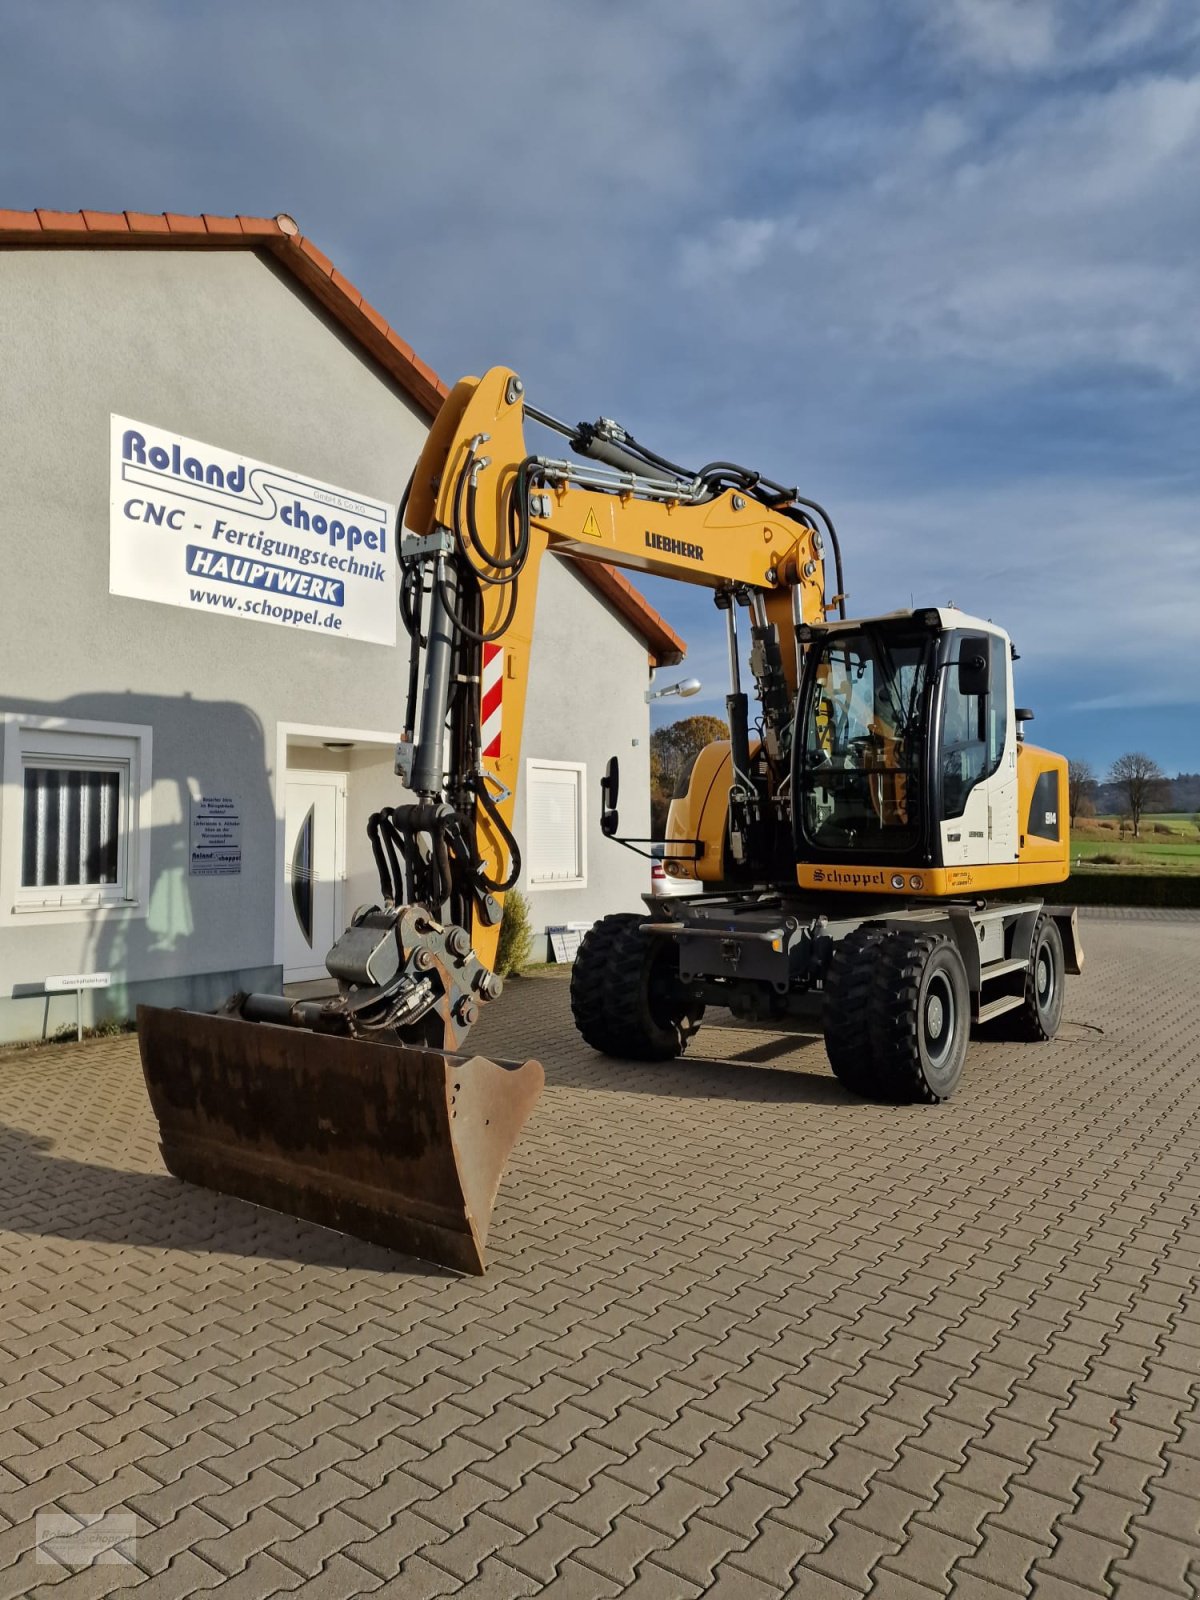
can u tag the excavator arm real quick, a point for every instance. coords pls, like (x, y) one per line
(481, 512)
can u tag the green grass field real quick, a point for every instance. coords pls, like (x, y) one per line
(1169, 845)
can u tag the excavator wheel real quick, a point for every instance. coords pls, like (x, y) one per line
(589, 975)
(626, 996)
(919, 1017)
(1038, 1019)
(848, 984)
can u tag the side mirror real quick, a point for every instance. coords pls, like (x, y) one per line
(974, 664)
(610, 789)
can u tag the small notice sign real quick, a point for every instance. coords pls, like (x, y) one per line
(78, 980)
(216, 837)
(565, 939)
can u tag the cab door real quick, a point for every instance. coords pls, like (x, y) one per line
(1002, 741)
(977, 776)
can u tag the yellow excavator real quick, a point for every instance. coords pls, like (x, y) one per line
(862, 849)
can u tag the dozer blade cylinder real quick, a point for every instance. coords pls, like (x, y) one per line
(403, 1147)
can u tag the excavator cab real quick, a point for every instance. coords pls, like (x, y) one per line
(906, 748)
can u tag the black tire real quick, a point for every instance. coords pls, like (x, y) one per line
(920, 1017)
(589, 978)
(626, 996)
(1038, 1019)
(848, 982)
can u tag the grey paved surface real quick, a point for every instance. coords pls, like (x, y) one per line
(741, 1336)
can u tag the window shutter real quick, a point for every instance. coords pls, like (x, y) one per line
(554, 824)
(71, 827)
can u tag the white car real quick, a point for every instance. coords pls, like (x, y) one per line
(661, 883)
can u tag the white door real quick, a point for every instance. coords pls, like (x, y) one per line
(1003, 824)
(314, 871)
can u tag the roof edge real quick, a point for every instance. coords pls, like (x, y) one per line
(280, 235)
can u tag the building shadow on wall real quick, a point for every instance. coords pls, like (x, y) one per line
(189, 926)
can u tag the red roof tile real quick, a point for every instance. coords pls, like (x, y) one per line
(373, 317)
(317, 257)
(344, 286)
(62, 221)
(258, 227)
(113, 221)
(146, 222)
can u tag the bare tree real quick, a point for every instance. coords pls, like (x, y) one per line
(1081, 781)
(1141, 782)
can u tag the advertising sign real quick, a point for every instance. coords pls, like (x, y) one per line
(216, 841)
(191, 525)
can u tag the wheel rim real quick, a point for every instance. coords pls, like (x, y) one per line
(1044, 978)
(939, 1019)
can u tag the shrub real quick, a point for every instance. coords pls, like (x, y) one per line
(516, 935)
(1124, 889)
(109, 1028)
(1161, 827)
(1104, 860)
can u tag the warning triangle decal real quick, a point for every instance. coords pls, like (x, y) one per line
(591, 527)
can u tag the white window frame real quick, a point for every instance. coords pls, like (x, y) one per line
(124, 747)
(533, 765)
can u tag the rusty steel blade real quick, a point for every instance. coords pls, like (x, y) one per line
(403, 1147)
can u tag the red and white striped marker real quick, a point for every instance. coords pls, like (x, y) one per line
(491, 713)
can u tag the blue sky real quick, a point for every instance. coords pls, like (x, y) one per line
(932, 260)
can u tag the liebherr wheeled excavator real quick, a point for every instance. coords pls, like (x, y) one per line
(862, 846)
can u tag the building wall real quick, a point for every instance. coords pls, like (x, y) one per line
(224, 348)
(585, 704)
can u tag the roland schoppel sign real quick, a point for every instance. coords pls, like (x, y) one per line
(192, 525)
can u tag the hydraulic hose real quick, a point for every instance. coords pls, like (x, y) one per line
(389, 837)
(413, 628)
(387, 885)
(501, 885)
(837, 549)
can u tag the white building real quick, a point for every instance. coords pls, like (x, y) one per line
(188, 762)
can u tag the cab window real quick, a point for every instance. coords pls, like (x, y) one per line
(974, 728)
(860, 751)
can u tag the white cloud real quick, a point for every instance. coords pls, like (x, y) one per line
(999, 34)
(736, 246)
(1056, 36)
(1093, 584)
(1063, 237)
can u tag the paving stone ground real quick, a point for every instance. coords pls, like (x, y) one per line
(742, 1336)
